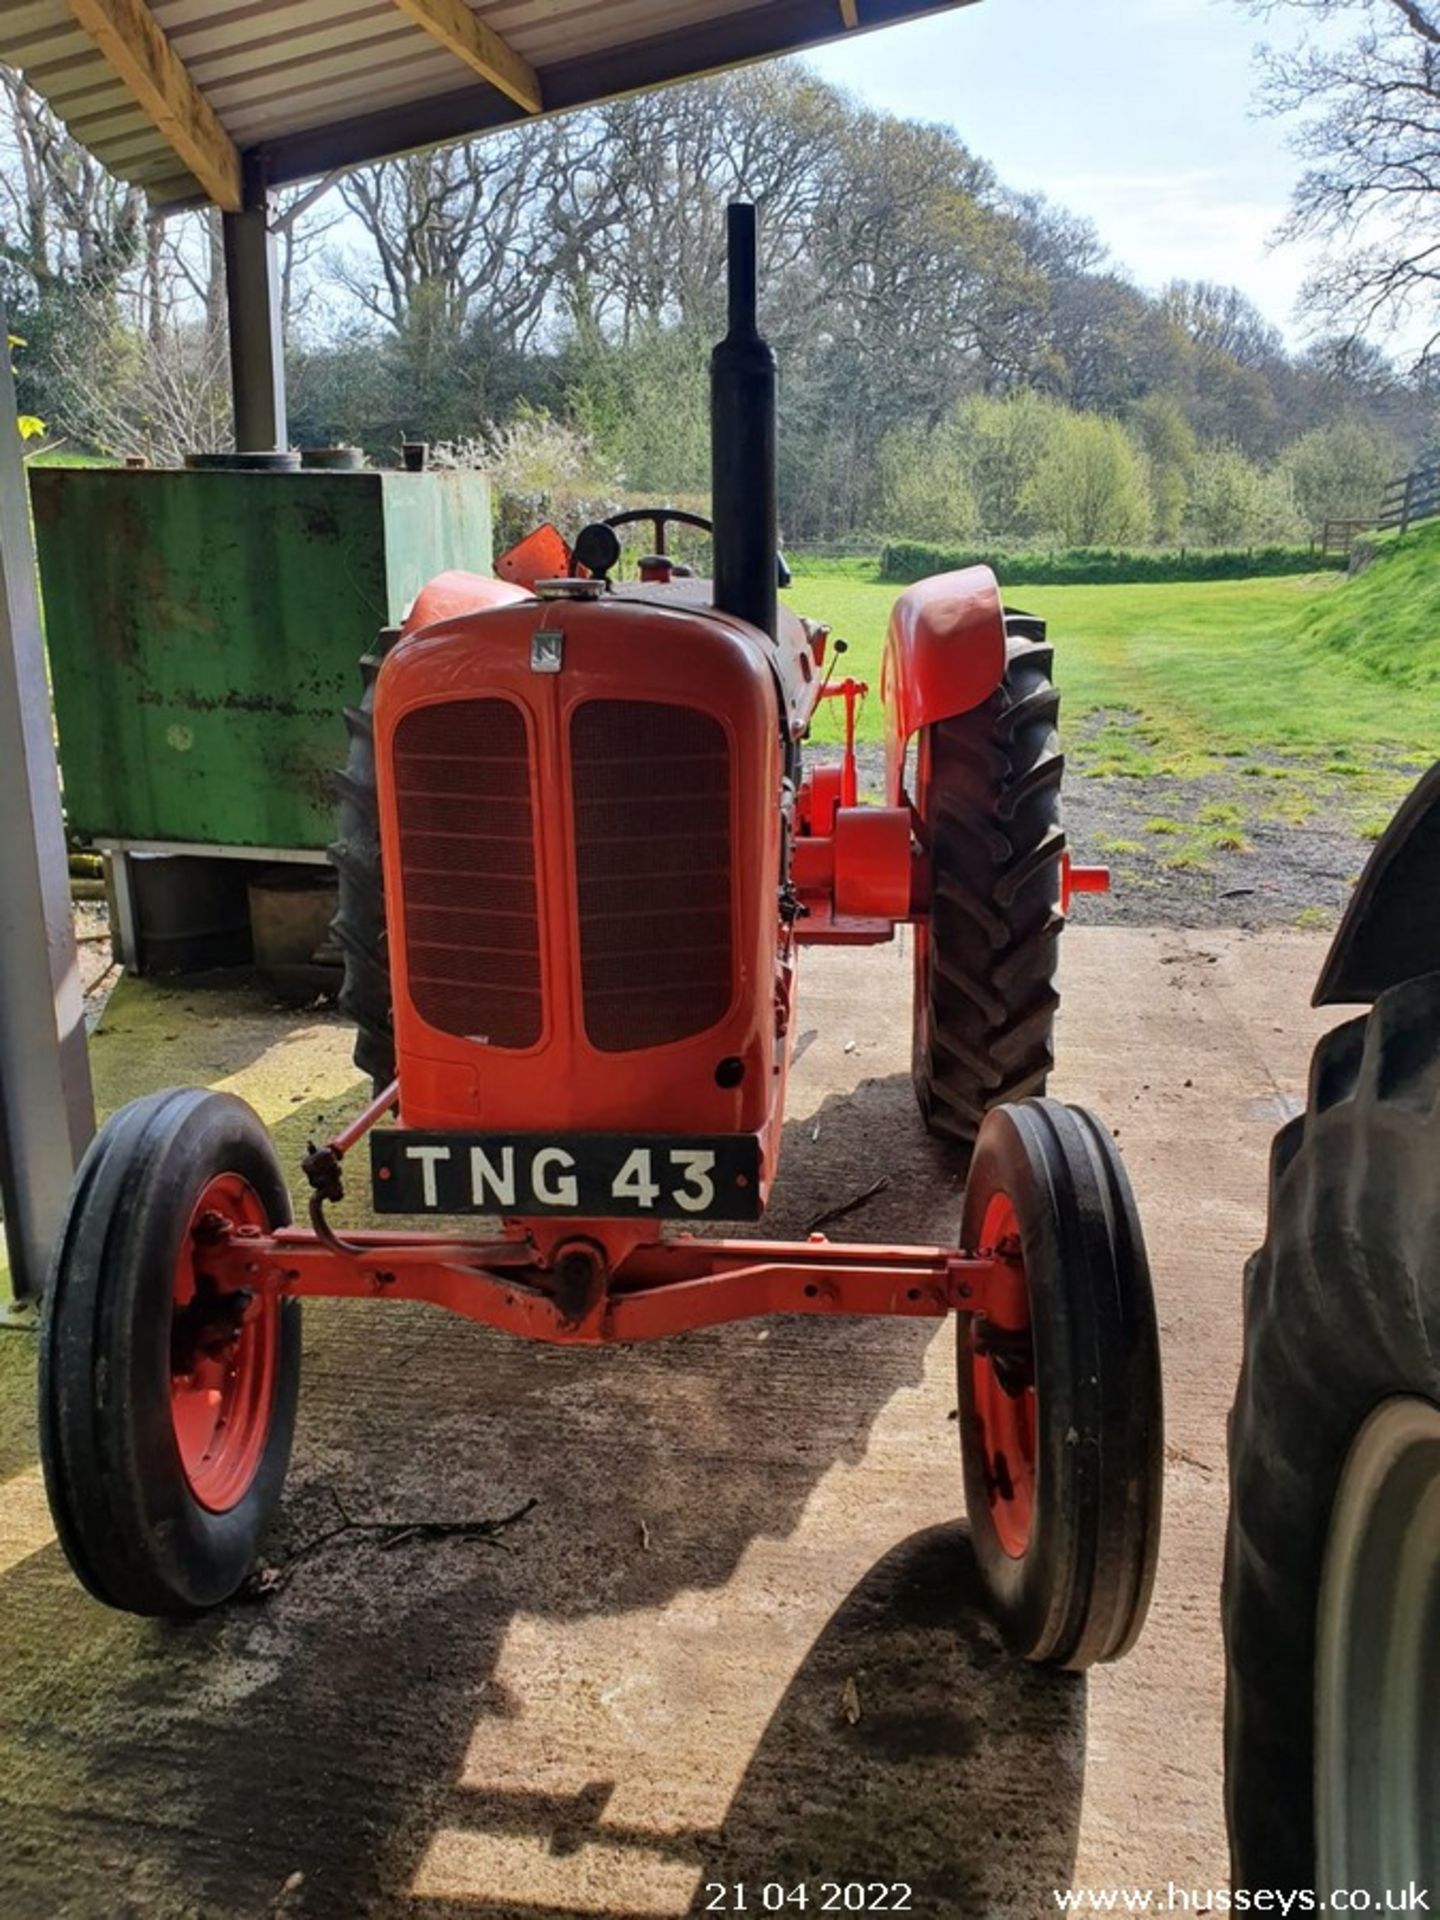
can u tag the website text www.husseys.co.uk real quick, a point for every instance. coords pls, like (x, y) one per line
(1172, 1898)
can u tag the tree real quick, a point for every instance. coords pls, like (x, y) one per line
(1059, 243)
(161, 394)
(65, 219)
(1368, 125)
(925, 491)
(69, 234)
(1339, 472)
(1007, 442)
(1234, 503)
(935, 330)
(1170, 449)
(1221, 319)
(919, 291)
(646, 405)
(652, 248)
(1111, 344)
(1235, 358)
(1090, 490)
(480, 228)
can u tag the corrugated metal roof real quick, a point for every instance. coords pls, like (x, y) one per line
(303, 85)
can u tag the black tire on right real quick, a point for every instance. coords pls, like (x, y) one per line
(359, 923)
(1342, 1311)
(985, 964)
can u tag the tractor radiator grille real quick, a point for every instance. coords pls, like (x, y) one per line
(652, 858)
(467, 853)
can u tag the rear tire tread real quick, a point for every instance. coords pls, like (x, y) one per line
(996, 844)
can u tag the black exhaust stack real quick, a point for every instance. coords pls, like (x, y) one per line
(742, 446)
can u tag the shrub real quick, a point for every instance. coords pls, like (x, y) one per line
(902, 561)
(1231, 499)
(1339, 472)
(1005, 443)
(925, 483)
(540, 469)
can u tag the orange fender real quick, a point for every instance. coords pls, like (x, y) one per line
(451, 594)
(944, 655)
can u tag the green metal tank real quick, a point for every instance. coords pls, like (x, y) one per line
(204, 632)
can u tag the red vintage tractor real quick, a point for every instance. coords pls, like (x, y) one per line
(575, 990)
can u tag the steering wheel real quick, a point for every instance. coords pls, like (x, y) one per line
(659, 518)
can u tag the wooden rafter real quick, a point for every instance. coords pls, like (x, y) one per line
(135, 46)
(850, 12)
(466, 35)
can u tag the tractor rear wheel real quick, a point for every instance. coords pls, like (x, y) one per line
(1061, 1420)
(988, 794)
(359, 924)
(1332, 1563)
(166, 1406)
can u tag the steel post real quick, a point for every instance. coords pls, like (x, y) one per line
(257, 348)
(46, 1107)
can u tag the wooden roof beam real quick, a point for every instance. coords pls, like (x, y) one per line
(135, 47)
(466, 35)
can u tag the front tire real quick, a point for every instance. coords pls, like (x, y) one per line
(1061, 1418)
(167, 1408)
(988, 795)
(1342, 1317)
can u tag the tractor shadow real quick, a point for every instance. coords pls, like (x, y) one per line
(951, 1768)
(909, 1755)
(305, 1754)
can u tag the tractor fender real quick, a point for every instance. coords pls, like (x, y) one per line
(1390, 931)
(945, 654)
(452, 594)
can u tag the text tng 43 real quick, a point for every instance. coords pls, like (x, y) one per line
(592, 1175)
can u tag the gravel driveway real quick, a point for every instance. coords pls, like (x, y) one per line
(1279, 846)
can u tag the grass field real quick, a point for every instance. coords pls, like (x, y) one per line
(1386, 621)
(1243, 678)
(60, 457)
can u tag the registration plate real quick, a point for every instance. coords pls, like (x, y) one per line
(592, 1175)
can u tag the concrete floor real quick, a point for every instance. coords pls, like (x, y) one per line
(741, 1538)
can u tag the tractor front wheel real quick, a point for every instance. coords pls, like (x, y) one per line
(167, 1405)
(987, 790)
(1332, 1561)
(1059, 1388)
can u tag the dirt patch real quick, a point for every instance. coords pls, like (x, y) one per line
(1262, 873)
(1254, 841)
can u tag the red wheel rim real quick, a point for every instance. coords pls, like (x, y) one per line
(1006, 1420)
(922, 985)
(224, 1357)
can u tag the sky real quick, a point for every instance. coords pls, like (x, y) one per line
(1138, 114)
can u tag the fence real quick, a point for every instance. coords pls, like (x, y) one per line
(1338, 536)
(1414, 497)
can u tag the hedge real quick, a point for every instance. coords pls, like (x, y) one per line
(902, 561)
